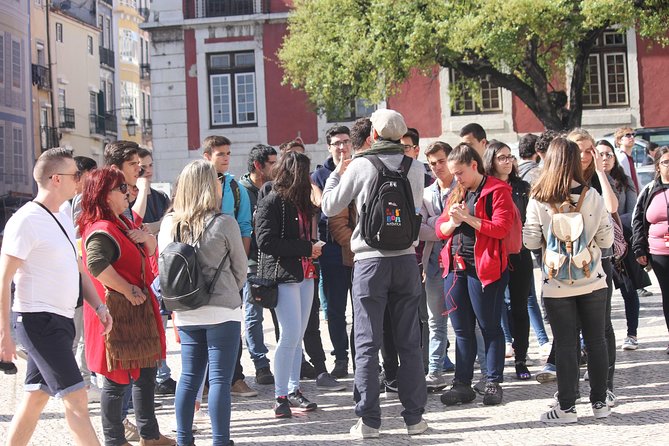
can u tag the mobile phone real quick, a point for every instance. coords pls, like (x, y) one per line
(319, 243)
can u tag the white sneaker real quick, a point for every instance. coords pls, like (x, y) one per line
(600, 410)
(556, 402)
(545, 349)
(559, 416)
(361, 430)
(611, 398)
(509, 350)
(630, 343)
(418, 428)
(201, 416)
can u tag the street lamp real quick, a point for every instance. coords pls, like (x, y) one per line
(131, 126)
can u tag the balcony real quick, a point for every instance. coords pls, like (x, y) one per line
(110, 124)
(224, 8)
(107, 57)
(147, 126)
(66, 118)
(48, 137)
(41, 77)
(144, 12)
(109, 2)
(145, 71)
(97, 124)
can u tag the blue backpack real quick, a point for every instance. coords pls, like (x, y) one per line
(567, 255)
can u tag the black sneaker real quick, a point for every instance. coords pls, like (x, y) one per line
(340, 369)
(8, 368)
(167, 387)
(390, 385)
(493, 394)
(459, 393)
(264, 376)
(296, 399)
(282, 408)
(307, 371)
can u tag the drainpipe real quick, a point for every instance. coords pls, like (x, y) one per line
(54, 106)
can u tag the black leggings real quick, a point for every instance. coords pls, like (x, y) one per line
(660, 265)
(521, 276)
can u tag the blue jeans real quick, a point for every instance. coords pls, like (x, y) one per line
(437, 323)
(536, 320)
(336, 279)
(216, 344)
(292, 311)
(253, 333)
(477, 304)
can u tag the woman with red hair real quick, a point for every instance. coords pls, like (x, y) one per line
(116, 253)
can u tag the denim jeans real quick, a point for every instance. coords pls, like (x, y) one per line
(292, 311)
(217, 345)
(631, 299)
(253, 329)
(437, 322)
(474, 303)
(111, 401)
(536, 319)
(164, 372)
(336, 280)
(564, 314)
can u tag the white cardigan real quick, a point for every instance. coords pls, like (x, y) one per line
(598, 229)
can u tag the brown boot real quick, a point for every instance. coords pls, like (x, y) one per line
(161, 441)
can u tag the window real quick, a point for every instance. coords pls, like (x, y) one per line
(39, 49)
(18, 150)
(59, 32)
(465, 103)
(16, 64)
(2, 146)
(232, 88)
(2, 59)
(606, 81)
(89, 44)
(107, 41)
(61, 97)
(359, 108)
(129, 42)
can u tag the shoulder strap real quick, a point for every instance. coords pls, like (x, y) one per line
(234, 187)
(405, 165)
(59, 225)
(580, 199)
(378, 164)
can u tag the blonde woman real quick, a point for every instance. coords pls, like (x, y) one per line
(209, 334)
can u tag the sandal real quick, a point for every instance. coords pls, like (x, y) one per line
(522, 371)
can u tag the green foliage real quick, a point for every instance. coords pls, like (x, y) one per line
(337, 50)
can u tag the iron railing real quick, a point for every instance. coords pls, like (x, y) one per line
(48, 137)
(97, 124)
(147, 126)
(41, 77)
(66, 118)
(110, 124)
(107, 57)
(145, 71)
(224, 8)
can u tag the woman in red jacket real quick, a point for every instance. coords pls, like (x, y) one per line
(477, 218)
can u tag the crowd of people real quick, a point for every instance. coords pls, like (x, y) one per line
(87, 308)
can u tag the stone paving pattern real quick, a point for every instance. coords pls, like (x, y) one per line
(641, 416)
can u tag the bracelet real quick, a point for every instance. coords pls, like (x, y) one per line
(101, 307)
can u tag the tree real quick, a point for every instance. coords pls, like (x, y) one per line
(338, 50)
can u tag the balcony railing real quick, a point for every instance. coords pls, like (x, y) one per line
(66, 118)
(107, 57)
(147, 126)
(97, 124)
(41, 77)
(144, 12)
(145, 71)
(224, 8)
(110, 124)
(48, 137)
(109, 2)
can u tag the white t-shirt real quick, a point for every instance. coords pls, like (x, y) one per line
(48, 278)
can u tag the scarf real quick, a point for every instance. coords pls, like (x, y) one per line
(383, 147)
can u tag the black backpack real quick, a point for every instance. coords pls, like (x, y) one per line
(388, 220)
(182, 283)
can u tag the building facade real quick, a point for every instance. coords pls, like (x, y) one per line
(214, 71)
(16, 123)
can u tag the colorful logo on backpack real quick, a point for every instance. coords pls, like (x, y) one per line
(393, 217)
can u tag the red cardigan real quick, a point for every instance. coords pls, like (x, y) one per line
(490, 256)
(128, 266)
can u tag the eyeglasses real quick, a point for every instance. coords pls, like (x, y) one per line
(346, 142)
(628, 135)
(409, 147)
(123, 188)
(664, 163)
(506, 159)
(606, 155)
(76, 175)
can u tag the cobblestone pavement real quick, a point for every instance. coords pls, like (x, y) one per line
(642, 413)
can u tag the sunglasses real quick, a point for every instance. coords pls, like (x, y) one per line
(123, 188)
(76, 175)
(629, 135)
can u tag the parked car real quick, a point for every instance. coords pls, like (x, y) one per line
(645, 174)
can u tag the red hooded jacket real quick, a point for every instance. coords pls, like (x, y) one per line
(490, 256)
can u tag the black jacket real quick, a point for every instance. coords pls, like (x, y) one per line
(639, 223)
(271, 220)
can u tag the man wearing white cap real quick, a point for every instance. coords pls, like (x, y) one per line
(382, 277)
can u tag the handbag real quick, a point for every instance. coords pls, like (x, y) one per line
(619, 242)
(262, 291)
(134, 341)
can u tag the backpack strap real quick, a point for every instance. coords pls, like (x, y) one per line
(580, 199)
(378, 164)
(234, 187)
